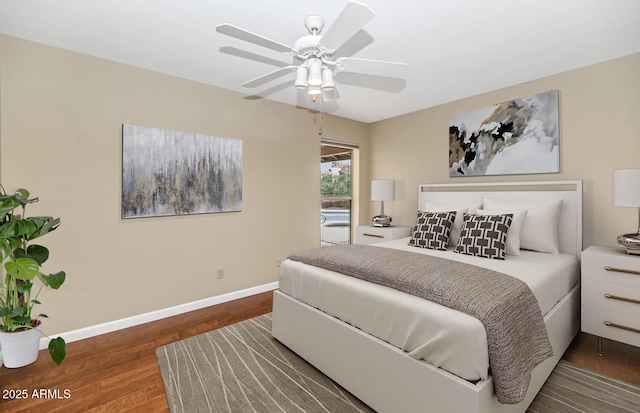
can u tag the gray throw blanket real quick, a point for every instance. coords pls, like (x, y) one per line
(516, 333)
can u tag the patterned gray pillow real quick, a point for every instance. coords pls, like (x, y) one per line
(484, 235)
(432, 230)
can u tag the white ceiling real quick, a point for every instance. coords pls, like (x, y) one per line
(454, 48)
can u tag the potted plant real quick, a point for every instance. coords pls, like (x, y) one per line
(23, 279)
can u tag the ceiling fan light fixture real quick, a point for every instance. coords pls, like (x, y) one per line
(327, 79)
(314, 90)
(313, 54)
(301, 78)
(315, 72)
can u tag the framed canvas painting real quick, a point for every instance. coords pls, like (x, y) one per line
(515, 137)
(167, 172)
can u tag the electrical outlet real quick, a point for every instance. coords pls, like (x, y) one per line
(278, 261)
(220, 273)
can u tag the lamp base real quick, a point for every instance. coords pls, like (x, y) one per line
(381, 221)
(630, 241)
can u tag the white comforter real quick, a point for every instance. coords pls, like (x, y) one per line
(444, 337)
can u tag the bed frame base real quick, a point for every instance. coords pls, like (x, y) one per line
(388, 380)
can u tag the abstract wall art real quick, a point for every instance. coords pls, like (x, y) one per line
(515, 137)
(167, 172)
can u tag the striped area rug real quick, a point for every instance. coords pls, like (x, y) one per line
(573, 389)
(242, 368)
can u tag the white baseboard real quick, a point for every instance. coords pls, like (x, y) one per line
(116, 325)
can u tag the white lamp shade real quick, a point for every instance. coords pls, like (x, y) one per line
(315, 72)
(626, 187)
(301, 78)
(382, 190)
(327, 79)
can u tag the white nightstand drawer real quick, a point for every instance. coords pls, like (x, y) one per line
(611, 265)
(594, 319)
(609, 296)
(370, 237)
(368, 234)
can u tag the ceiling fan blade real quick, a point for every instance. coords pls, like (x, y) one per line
(371, 67)
(253, 56)
(356, 43)
(352, 18)
(247, 36)
(269, 76)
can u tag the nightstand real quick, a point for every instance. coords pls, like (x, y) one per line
(368, 234)
(611, 294)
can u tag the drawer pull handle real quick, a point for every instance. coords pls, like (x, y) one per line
(620, 326)
(622, 270)
(617, 297)
(373, 235)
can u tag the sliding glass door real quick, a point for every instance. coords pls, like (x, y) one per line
(335, 194)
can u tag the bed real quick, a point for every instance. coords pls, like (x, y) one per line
(397, 352)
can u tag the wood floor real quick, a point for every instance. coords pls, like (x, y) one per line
(118, 372)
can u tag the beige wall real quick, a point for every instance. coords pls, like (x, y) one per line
(61, 115)
(599, 108)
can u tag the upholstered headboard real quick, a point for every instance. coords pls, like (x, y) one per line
(570, 216)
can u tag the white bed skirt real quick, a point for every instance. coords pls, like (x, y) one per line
(387, 379)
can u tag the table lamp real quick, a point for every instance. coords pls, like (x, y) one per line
(382, 190)
(626, 193)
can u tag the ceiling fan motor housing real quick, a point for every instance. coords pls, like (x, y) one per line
(314, 24)
(309, 46)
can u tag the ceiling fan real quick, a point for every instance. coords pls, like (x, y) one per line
(314, 60)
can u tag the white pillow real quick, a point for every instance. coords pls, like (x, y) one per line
(540, 228)
(513, 235)
(457, 223)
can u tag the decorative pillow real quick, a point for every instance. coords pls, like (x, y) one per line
(457, 224)
(513, 236)
(432, 230)
(540, 227)
(484, 235)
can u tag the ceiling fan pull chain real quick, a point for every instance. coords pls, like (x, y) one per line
(320, 127)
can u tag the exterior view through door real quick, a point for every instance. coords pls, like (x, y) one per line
(335, 194)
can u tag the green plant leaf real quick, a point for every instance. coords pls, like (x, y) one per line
(24, 286)
(57, 350)
(22, 268)
(22, 196)
(6, 206)
(21, 193)
(26, 226)
(5, 248)
(53, 280)
(18, 228)
(8, 229)
(49, 224)
(35, 230)
(16, 312)
(37, 252)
